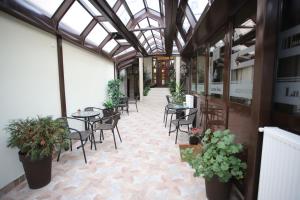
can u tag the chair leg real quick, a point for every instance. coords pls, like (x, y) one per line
(94, 141)
(136, 108)
(101, 133)
(58, 154)
(166, 120)
(71, 144)
(112, 130)
(176, 134)
(119, 133)
(83, 151)
(170, 125)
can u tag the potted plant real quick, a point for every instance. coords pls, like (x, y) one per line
(218, 163)
(36, 139)
(113, 92)
(178, 96)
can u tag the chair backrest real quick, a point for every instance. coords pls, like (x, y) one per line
(192, 114)
(168, 98)
(115, 119)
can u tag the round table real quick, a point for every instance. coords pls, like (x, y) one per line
(86, 115)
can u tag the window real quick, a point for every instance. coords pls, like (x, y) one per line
(153, 4)
(194, 74)
(180, 39)
(142, 39)
(123, 15)
(144, 23)
(111, 2)
(110, 46)
(71, 22)
(90, 7)
(186, 24)
(197, 7)
(147, 34)
(47, 8)
(109, 27)
(135, 5)
(153, 23)
(96, 36)
(201, 61)
(151, 41)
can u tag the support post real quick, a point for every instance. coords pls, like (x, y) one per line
(177, 69)
(141, 78)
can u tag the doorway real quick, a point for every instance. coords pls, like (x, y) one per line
(161, 68)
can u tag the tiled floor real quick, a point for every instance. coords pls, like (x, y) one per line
(146, 165)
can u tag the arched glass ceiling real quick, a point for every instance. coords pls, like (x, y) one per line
(106, 26)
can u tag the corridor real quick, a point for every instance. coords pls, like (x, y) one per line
(146, 165)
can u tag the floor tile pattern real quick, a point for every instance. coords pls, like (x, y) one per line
(145, 166)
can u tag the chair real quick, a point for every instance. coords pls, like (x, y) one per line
(124, 104)
(82, 136)
(168, 110)
(186, 120)
(104, 124)
(133, 101)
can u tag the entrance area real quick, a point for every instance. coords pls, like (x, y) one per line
(161, 67)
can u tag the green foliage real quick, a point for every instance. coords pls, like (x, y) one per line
(36, 137)
(108, 104)
(219, 157)
(146, 90)
(172, 81)
(147, 83)
(178, 96)
(113, 91)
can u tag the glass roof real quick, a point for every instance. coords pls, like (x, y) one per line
(71, 21)
(109, 27)
(41, 7)
(110, 46)
(130, 49)
(153, 4)
(123, 15)
(76, 22)
(135, 5)
(186, 24)
(96, 36)
(90, 7)
(197, 7)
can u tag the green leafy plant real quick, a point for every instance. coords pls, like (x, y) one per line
(178, 96)
(172, 81)
(108, 104)
(146, 90)
(37, 137)
(113, 91)
(218, 158)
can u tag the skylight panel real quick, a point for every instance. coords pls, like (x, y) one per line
(122, 41)
(142, 39)
(144, 23)
(90, 7)
(96, 36)
(135, 6)
(151, 40)
(123, 15)
(130, 49)
(47, 8)
(197, 7)
(147, 34)
(186, 24)
(146, 45)
(153, 4)
(110, 46)
(153, 23)
(111, 2)
(109, 27)
(76, 19)
(180, 39)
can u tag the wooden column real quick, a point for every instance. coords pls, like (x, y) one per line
(61, 77)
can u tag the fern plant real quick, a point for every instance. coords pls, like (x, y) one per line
(219, 157)
(37, 137)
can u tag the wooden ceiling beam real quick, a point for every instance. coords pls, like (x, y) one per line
(170, 31)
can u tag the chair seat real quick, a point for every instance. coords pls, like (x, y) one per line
(171, 111)
(84, 135)
(104, 126)
(181, 122)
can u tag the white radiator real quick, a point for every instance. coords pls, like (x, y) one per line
(280, 166)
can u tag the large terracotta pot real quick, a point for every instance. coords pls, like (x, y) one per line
(37, 172)
(216, 190)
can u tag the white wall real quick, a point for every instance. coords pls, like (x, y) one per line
(86, 77)
(28, 83)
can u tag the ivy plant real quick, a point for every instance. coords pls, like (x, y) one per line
(37, 137)
(113, 92)
(218, 158)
